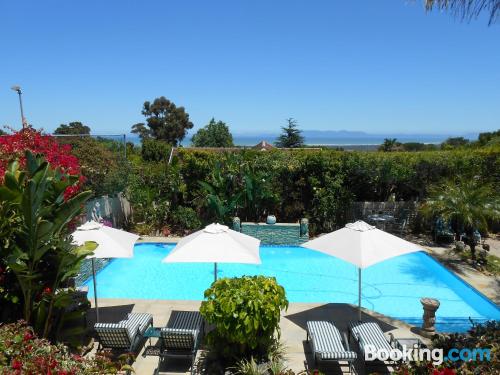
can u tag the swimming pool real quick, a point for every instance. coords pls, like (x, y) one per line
(393, 287)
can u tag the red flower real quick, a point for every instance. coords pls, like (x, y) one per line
(47, 290)
(53, 363)
(13, 146)
(445, 371)
(28, 336)
(17, 365)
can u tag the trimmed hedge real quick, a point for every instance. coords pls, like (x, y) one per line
(318, 184)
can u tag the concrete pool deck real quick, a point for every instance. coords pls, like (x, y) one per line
(293, 334)
(293, 321)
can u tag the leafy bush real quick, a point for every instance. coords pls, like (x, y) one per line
(102, 164)
(21, 352)
(155, 150)
(185, 218)
(35, 249)
(246, 314)
(317, 184)
(483, 336)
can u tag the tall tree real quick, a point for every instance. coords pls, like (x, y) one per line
(467, 9)
(166, 121)
(75, 127)
(454, 142)
(390, 144)
(214, 134)
(141, 130)
(291, 136)
(484, 138)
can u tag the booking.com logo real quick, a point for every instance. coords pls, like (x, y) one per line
(436, 356)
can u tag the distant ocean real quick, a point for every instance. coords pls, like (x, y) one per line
(332, 138)
(333, 141)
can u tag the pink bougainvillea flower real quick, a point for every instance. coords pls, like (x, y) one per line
(13, 147)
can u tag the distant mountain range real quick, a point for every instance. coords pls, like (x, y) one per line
(345, 137)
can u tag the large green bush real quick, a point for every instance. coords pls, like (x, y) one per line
(246, 314)
(483, 336)
(185, 219)
(318, 184)
(102, 164)
(36, 252)
(155, 150)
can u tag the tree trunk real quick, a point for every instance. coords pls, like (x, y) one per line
(472, 243)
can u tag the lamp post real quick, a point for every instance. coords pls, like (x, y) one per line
(19, 92)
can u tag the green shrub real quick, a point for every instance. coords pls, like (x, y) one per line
(319, 185)
(21, 352)
(246, 314)
(102, 164)
(185, 218)
(483, 336)
(155, 150)
(37, 252)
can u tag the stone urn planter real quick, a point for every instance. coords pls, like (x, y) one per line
(271, 219)
(459, 245)
(430, 306)
(237, 224)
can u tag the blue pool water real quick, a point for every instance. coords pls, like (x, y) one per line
(393, 287)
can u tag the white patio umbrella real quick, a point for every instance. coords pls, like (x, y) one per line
(215, 243)
(111, 243)
(362, 245)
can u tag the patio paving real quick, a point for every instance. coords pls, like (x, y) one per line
(293, 334)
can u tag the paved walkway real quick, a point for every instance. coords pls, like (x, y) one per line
(293, 334)
(486, 284)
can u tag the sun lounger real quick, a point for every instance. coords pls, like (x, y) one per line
(369, 334)
(124, 335)
(327, 343)
(181, 337)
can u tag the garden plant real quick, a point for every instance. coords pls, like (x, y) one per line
(246, 313)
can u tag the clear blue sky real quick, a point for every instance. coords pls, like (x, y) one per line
(375, 66)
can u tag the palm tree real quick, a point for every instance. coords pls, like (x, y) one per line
(467, 203)
(467, 9)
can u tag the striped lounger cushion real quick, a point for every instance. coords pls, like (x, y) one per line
(182, 331)
(138, 322)
(123, 333)
(327, 342)
(113, 335)
(369, 333)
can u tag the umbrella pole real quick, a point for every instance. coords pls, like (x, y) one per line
(359, 294)
(95, 293)
(215, 271)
